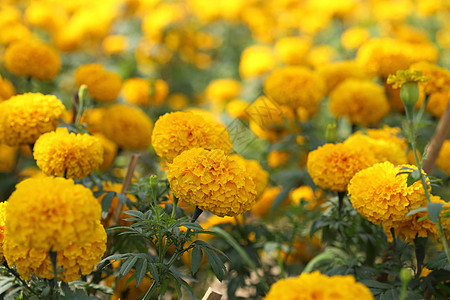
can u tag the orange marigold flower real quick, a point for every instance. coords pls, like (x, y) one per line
(257, 173)
(101, 84)
(331, 166)
(292, 50)
(7, 89)
(381, 194)
(362, 101)
(212, 181)
(127, 126)
(60, 153)
(221, 90)
(437, 103)
(255, 61)
(180, 131)
(439, 78)
(32, 59)
(443, 160)
(263, 204)
(337, 72)
(145, 92)
(26, 117)
(318, 286)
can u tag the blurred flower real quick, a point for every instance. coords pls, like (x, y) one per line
(115, 44)
(93, 117)
(27, 116)
(277, 158)
(145, 92)
(362, 101)
(439, 78)
(313, 285)
(292, 50)
(221, 90)
(212, 181)
(306, 193)
(443, 160)
(2, 228)
(180, 131)
(263, 205)
(331, 166)
(159, 18)
(177, 101)
(46, 15)
(381, 195)
(109, 151)
(255, 61)
(255, 171)
(391, 134)
(32, 59)
(353, 37)
(50, 213)
(125, 288)
(337, 72)
(127, 126)
(404, 76)
(7, 158)
(101, 84)
(437, 103)
(236, 108)
(320, 55)
(7, 89)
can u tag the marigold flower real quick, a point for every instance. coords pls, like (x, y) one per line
(221, 90)
(177, 101)
(305, 192)
(362, 101)
(2, 228)
(295, 87)
(277, 158)
(212, 181)
(337, 72)
(101, 84)
(145, 92)
(75, 260)
(318, 286)
(404, 76)
(236, 108)
(292, 50)
(354, 37)
(443, 160)
(263, 204)
(60, 153)
(331, 166)
(109, 151)
(180, 131)
(115, 44)
(32, 59)
(381, 195)
(27, 116)
(7, 89)
(7, 157)
(437, 103)
(439, 78)
(255, 61)
(257, 173)
(129, 127)
(49, 213)
(391, 134)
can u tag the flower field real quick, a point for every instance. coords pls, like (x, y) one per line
(227, 149)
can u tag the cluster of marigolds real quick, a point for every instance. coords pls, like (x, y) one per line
(314, 61)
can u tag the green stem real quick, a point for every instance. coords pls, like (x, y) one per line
(281, 264)
(54, 282)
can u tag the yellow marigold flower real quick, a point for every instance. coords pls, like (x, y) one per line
(255, 61)
(384, 56)
(7, 158)
(177, 132)
(60, 153)
(395, 101)
(145, 92)
(27, 116)
(236, 108)
(93, 117)
(129, 127)
(383, 150)
(177, 101)
(362, 101)
(101, 84)
(257, 173)
(109, 151)
(125, 288)
(337, 72)
(382, 196)
(32, 59)
(404, 76)
(221, 90)
(439, 78)
(50, 213)
(277, 158)
(75, 260)
(263, 204)
(313, 199)
(392, 134)
(115, 44)
(295, 87)
(292, 50)
(354, 37)
(216, 220)
(314, 285)
(320, 55)
(2, 228)
(7, 89)
(437, 103)
(443, 160)
(331, 166)
(212, 181)
(46, 15)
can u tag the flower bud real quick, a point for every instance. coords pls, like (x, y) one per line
(409, 93)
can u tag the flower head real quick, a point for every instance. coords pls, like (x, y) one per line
(60, 153)
(263, 204)
(212, 181)
(292, 50)
(439, 78)
(404, 76)
(255, 61)
(331, 166)
(314, 285)
(257, 173)
(27, 116)
(221, 90)
(144, 92)
(381, 194)
(7, 89)
(7, 157)
(180, 131)
(362, 101)
(49, 213)
(443, 160)
(127, 126)
(337, 72)
(32, 59)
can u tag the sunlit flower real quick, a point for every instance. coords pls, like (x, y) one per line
(32, 59)
(337, 72)
(362, 101)
(180, 131)
(27, 116)
(404, 76)
(255, 61)
(49, 213)
(212, 181)
(145, 92)
(314, 285)
(354, 37)
(257, 173)
(292, 50)
(439, 78)
(221, 90)
(60, 153)
(115, 44)
(127, 126)
(332, 166)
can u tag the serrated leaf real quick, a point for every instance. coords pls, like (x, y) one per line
(215, 262)
(113, 257)
(376, 284)
(193, 226)
(437, 262)
(141, 269)
(197, 256)
(127, 265)
(135, 213)
(415, 211)
(154, 272)
(434, 210)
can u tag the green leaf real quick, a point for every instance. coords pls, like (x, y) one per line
(106, 203)
(154, 272)
(415, 211)
(141, 269)
(413, 177)
(376, 284)
(434, 210)
(190, 225)
(197, 256)
(122, 198)
(113, 257)
(215, 262)
(135, 213)
(127, 265)
(437, 262)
